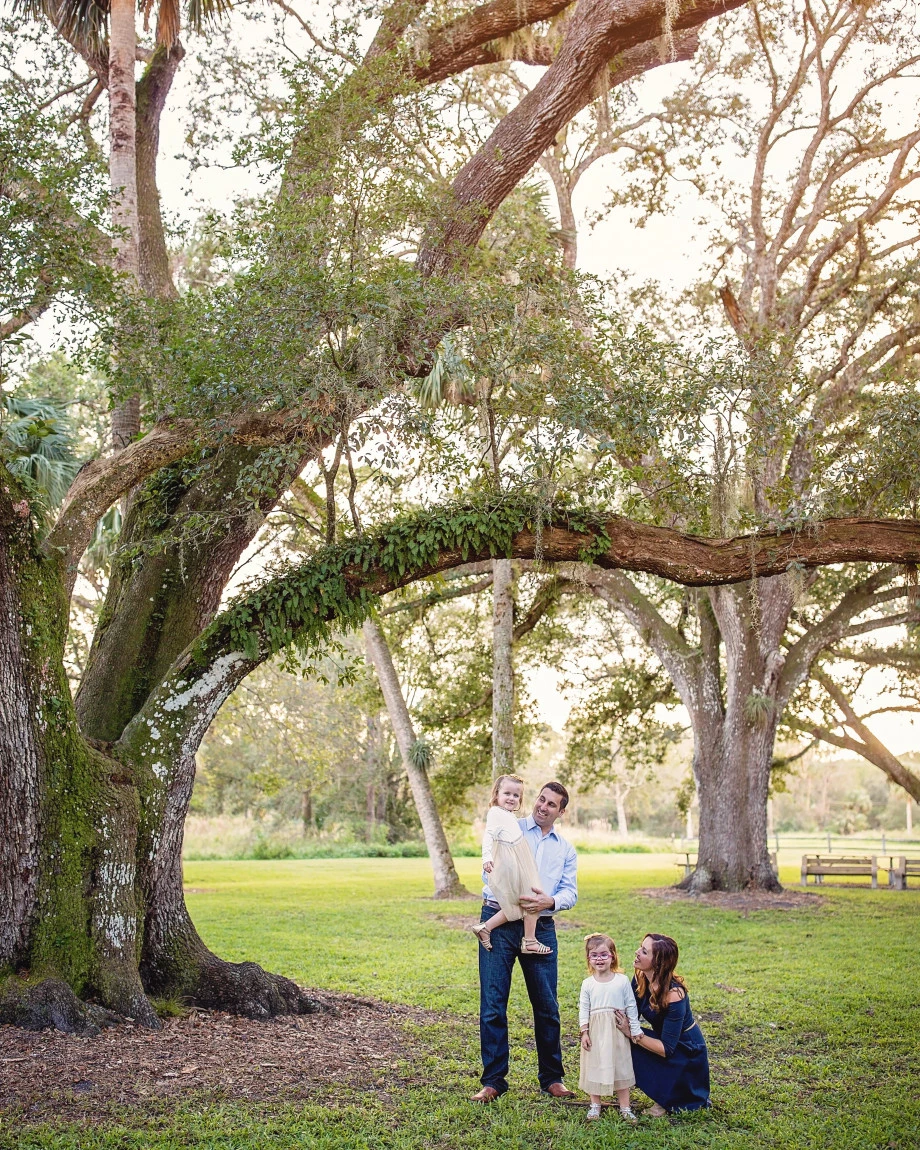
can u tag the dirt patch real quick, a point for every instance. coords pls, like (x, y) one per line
(357, 1042)
(739, 900)
(465, 921)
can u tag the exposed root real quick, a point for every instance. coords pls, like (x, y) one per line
(703, 881)
(245, 988)
(51, 1004)
(457, 891)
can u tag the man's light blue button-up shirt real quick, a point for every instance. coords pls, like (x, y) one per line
(557, 865)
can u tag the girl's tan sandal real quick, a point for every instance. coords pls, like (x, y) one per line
(534, 946)
(484, 935)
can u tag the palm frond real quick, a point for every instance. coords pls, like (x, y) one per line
(199, 12)
(83, 21)
(37, 444)
(168, 22)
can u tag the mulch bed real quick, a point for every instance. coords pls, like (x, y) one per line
(356, 1042)
(739, 900)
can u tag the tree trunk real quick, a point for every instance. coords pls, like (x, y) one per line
(152, 90)
(123, 179)
(69, 814)
(619, 795)
(166, 584)
(733, 743)
(733, 779)
(370, 805)
(306, 810)
(447, 882)
(502, 668)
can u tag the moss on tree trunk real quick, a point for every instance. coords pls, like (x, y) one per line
(71, 816)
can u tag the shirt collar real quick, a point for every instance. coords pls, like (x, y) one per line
(530, 823)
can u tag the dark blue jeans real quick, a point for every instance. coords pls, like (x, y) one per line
(541, 979)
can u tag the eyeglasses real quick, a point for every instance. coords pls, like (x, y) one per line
(600, 954)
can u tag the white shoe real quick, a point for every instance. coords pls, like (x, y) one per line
(629, 1116)
(594, 1112)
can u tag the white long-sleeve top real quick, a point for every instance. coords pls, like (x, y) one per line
(501, 826)
(617, 994)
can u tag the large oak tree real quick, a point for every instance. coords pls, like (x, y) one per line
(95, 789)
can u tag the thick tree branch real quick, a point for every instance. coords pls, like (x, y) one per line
(452, 48)
(103, 481)
(832, 628)
(39, 304)
(339, 586)
(152, 91)
(866, 744)
(597, 32)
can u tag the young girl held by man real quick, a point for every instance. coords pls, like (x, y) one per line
(606, 1053)
(510, 865)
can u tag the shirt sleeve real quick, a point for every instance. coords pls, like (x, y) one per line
(488, 837)
(567, 889)
(629, 1005)
(584, 1004)
(673, 1025)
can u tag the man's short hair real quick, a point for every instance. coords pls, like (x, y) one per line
(557, 789)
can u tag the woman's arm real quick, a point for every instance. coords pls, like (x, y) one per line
(643, 1038)
(673, 1024)
(670, 1031)
(632, 1011)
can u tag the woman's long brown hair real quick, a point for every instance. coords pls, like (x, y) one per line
(663, 980)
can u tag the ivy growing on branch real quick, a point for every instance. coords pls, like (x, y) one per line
(339, 586)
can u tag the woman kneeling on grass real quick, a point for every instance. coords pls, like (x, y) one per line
(670, 1061)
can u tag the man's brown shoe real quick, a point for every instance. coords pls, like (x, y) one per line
(487, 1094)
(557, 1090)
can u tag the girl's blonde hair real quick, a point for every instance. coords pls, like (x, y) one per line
(595, 942)
(493, 800)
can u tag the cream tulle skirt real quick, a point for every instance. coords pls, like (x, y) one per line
(607, 1066)
(514, 873)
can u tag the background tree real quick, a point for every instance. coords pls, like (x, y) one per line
(821, 240)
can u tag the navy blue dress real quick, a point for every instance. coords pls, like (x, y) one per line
(680, 1081)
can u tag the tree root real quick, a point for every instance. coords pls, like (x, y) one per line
(704, 881)
(51, 1004)
(245, 988)
(456, 891)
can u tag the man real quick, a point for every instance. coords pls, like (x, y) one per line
(556, 866)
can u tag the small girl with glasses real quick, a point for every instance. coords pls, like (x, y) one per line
(606, 1053)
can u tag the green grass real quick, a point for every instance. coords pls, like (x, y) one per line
(820, 1051)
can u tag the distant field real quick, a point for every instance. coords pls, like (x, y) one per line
(812, 1013)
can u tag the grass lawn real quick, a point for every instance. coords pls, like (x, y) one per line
(822, 1048)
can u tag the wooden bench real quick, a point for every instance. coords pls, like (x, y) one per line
(821, 865)
(899, 868)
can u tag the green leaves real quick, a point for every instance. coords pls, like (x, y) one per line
(37, 444)
(303, 606)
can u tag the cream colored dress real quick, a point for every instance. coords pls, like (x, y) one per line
(514, 870)
(607, 1066)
